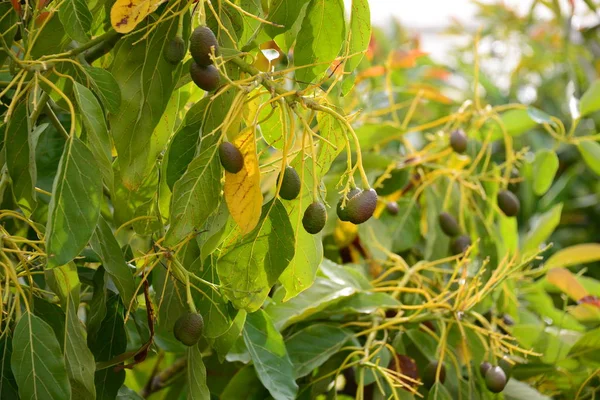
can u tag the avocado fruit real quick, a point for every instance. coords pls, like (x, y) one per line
(459, 141)
(290, 185)
(174, 50)
(508, 203)
(430, 373)
(231, 158)
(460, 244)
(343, 212)
(506, 366)
(201, 42)
(448, 224)
(206, 78)
(188, 328)
(362, 206)
(392, 208)
(483, 368)
(315, 217)
(495, 379)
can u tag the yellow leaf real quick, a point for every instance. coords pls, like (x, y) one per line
(242, 190)
(126, 14)
(567, 283)
(575, 255)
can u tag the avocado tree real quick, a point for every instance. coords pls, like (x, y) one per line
(265, 199)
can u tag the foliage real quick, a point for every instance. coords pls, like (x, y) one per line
(118, 217)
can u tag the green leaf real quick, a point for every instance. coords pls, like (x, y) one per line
(312, 346)
(322, 35)
(76, 18)
(8, 384)
(225, 342)
(590, 100)
(319, 296)
(110, 342)
(106, 246)
(97, 132)
(37, 362)
(196, 375)
(516, 122)
(105, 86)
(370, 135)
(185, 143)
(574, 255)
(590, 151)
(587, 347)
(197, 194)
(516, 390)
(19, 148)
(542, 227)
(64, 281)
(146, 81)
(97, 310)
(75, 205)
(360, 36)
(8, 27)
(283, 12)
(251, 265)
(245, 385)
(545, 167)
(211, 304)
(439, 392)
(271, 361)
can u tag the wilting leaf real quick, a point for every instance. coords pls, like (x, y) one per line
(126, 14)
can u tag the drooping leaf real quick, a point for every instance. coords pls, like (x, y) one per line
(37, 362)
(8, 384)
(196, 375)
(545, 167)
(64, 282)
(590, 101)
(300, 274)
(574, 255)
(76, 18)
(106, 246)
(271, 360)
(590, 151)
(110, 342)
(196, 195)
(242, 190)
(322, 35)
(8, 27)
(251, 265)
(225, 342)
(359, 38)
(105, 86)
(75, 205)
(126, 14)
(312, 346)
(285, 13)
(542, 227)
(186, 141)
(96, 129)
(19, 148)
(146, 81)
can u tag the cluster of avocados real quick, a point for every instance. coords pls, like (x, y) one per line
(188, 328)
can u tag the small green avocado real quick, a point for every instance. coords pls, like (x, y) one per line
(188, 328)
(448, 224)
(201, 42)
(508, 203)
(290, 186)
(343, 212)
(315, 217)
(459, 141)
(362, 206)
(495, 379)
(174, 50)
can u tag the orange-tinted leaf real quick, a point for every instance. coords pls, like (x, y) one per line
(406, 59)
(242, 190)
(567, 283)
